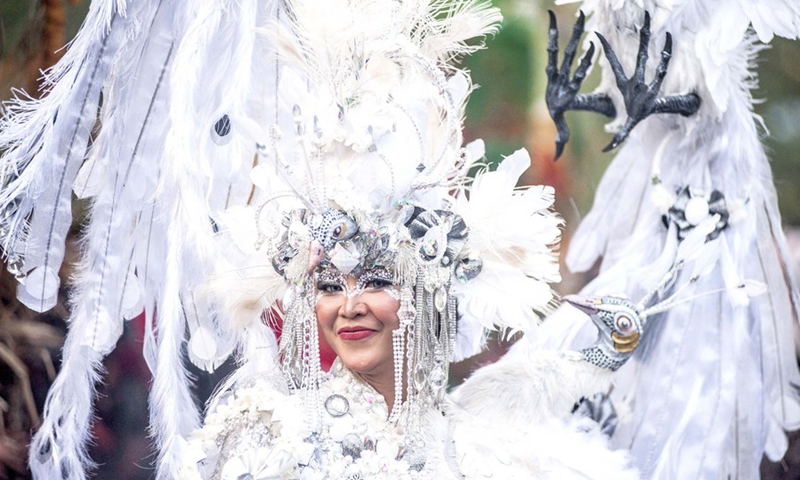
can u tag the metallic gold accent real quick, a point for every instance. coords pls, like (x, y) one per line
(625, 343)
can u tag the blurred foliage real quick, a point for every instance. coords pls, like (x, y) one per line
(32, 36)
(779, 87)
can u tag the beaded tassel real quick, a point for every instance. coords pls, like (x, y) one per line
(406, 315)
(398, 336)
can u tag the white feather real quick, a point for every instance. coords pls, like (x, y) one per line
(512, 232)
(715, 340)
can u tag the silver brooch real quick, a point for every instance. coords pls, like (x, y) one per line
(337, 405)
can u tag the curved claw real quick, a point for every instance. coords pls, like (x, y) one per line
(562, 136)
(613, 61)
(562, 91)
(641, 99)
(552, 47)
(572, 46)
(644, 42)
(622, 134)
(661, 71)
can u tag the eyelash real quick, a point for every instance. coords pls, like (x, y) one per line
(330, 288)
(371, 281)
(378, 283)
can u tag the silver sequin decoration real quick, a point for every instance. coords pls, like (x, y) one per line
(352, 446)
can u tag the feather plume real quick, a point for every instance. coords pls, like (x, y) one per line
(717, 149)
(64, 119)
(525, 397)
(105, 286)
(200, 177)
(514, 246)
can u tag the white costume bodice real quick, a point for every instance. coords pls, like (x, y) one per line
(511, 420)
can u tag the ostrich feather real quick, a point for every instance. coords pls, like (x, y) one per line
(64, 119)
(218, 44)
(527, 397)
(104, 284)
(511, 231)
(449, 25)
(59, 447)
(246, 290)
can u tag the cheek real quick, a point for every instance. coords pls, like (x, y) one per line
(387, 313)
(327, 310)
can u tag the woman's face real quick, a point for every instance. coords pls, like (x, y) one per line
(357, 315)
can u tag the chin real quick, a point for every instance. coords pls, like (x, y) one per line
(357, 365)
(361, 365)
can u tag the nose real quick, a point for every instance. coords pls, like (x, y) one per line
(353, 307)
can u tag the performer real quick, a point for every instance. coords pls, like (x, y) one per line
(303, 157)
(686, 223)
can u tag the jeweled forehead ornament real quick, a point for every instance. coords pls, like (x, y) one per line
(327, 276)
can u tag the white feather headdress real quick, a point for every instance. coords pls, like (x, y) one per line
(219, 120)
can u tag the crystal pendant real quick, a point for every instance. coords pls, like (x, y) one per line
(420, 378)
(15, 265)
(440, 299)
(430, 285)
(438, 377)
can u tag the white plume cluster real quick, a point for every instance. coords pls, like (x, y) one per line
(512, 231)
(212, 114)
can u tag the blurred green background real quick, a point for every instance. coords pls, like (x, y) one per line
(507, 111)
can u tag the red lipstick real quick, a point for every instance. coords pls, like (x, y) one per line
(355, 333)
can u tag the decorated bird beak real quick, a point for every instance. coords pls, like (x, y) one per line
(587, 305)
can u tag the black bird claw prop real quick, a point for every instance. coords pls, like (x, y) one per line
(641, 99)
(562, 92)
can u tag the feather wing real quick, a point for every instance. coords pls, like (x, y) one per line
(697, 361)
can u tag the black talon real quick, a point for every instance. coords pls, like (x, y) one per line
(642, 100)
(562, 91)
(644, 41)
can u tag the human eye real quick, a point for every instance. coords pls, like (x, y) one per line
(330, 282)
(330, 288)
(378, 283)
